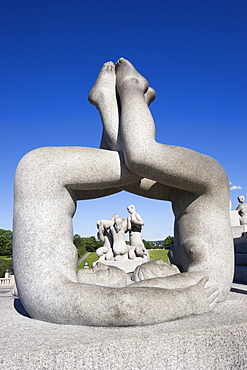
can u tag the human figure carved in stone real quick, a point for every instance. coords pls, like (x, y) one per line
(154, 269)
(118, 230)
(195, 184)
(134, 226)
(242, 210)
(105, 235)
(112, 232)
(104, 275)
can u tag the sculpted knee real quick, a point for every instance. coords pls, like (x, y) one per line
(138, 160)
(37, 170)
(33, 161)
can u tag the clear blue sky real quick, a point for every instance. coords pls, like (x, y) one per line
(194, 53)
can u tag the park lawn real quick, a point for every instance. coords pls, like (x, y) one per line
(157, 254)
(91, 258)
(154, 254)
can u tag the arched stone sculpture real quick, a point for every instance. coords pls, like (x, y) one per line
(50, 180)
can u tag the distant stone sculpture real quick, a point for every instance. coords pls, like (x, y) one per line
(112, 234)
(134, 226)
(242, 210)
(104, 235)
(118, 229)
(50, 180)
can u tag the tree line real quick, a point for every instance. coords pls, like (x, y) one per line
(83, 244)
(90, 244)
(6, 237)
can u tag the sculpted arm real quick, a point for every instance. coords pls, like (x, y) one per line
(136, 218)
(102, 306)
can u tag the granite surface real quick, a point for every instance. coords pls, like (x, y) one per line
(49, 181)
(216, 340)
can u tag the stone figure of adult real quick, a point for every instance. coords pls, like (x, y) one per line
(105, 236)
(242, 210)
(132, 160)
(134, 226)
(118, 230)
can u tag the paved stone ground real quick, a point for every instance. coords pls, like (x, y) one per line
(212, 341)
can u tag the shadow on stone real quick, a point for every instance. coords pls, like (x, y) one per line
(241, 291)
(20, 309)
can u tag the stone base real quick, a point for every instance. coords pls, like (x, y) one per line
(211, 341)
(124, 263)
(238, 231)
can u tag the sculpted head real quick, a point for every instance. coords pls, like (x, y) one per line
(131, 209)
(241, 199)
(120, 224)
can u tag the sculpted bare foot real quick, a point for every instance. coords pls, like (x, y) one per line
(127, 76)
(205, 299)
(104, 86)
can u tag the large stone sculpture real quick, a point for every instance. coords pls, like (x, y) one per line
(50, 180)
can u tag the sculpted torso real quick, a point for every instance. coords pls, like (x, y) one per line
(242, 210)
(48, 183)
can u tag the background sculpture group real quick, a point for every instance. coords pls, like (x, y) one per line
(111, 233)
(50, 180)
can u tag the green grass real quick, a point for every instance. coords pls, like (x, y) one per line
(154, 254)
(157, 254)
(91, 258)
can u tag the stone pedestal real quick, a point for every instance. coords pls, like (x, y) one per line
(213, 341)
(237, 229)
(125, 263)
(240, 249)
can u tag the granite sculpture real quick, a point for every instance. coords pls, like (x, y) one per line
(50, 180)
(242, 210)
(111, 233)
(134, 226)
(104, 235)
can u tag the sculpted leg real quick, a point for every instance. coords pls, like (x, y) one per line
(143, 155)
(196, 184)
(103, 96)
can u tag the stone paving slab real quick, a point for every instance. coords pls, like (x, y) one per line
(216, 340)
